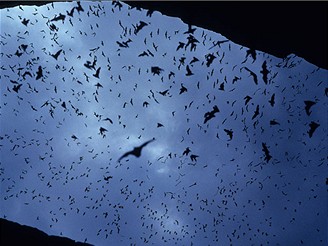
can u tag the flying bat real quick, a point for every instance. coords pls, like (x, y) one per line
(180, 46)
(272, 102)
(17, 87)
(102, 131)
(218, 43)
(25, 21)
(156, 70)
(313, 126)
(229, 133)
(247, 99)
(39, 73)
(256, 112)
(56, 54)
(264, 72)
(189, 73)
(108, 178)
(59, 17)
(139, 26)
(209, 59)
(183, 89)
(211, 114)
(97, 73)
(186, 151)
(136, 150)
(251, 74)
(274, 122)
(79, 8)
(308, 105)
(194, 157)
(266, 152)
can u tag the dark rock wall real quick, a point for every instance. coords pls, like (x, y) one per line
(12, 233)
(278, 28)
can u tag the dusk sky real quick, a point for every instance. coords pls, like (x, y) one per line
(240, 149)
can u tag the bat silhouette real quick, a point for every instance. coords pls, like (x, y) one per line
(97, 73)
(218, 43)
(221, 88)
(235, 79)
(108, 119)
(171, 74)
(163, 93)
(79, 7)
(209, 59)
(136, 150)
(251, 74)
(25, 21)
(124, 44)
(39, 73)
(274, 122)
(313, 126)
(89, 65)
(139, 26)
(108, 178)
(256, 112)
(59, 17)
(70, 13)
(17, 87)
(24, 47)
(194, 59)
(156, 70)
(183, 89)
(98, 85)
(186, 151)
(247, 99)
(160, 125)
(211, 114)
(56, 54)
(308, 105)
(143, 54)
(189, 73)
(229, 133)
(194, 157)
(192, 41)
(19, 54)
(102, 131)
(266, 152)
(180, 46)
(264, 72)
(272, 100)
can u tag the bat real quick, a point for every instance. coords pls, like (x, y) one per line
(139, 26)
(308, 105)
(313, 126)
(136, 150)
(252, 74)
(266, 152)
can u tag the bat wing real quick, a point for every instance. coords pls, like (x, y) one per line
(125, 155)
(144, 144)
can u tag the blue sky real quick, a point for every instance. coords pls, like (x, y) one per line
(230, 194)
